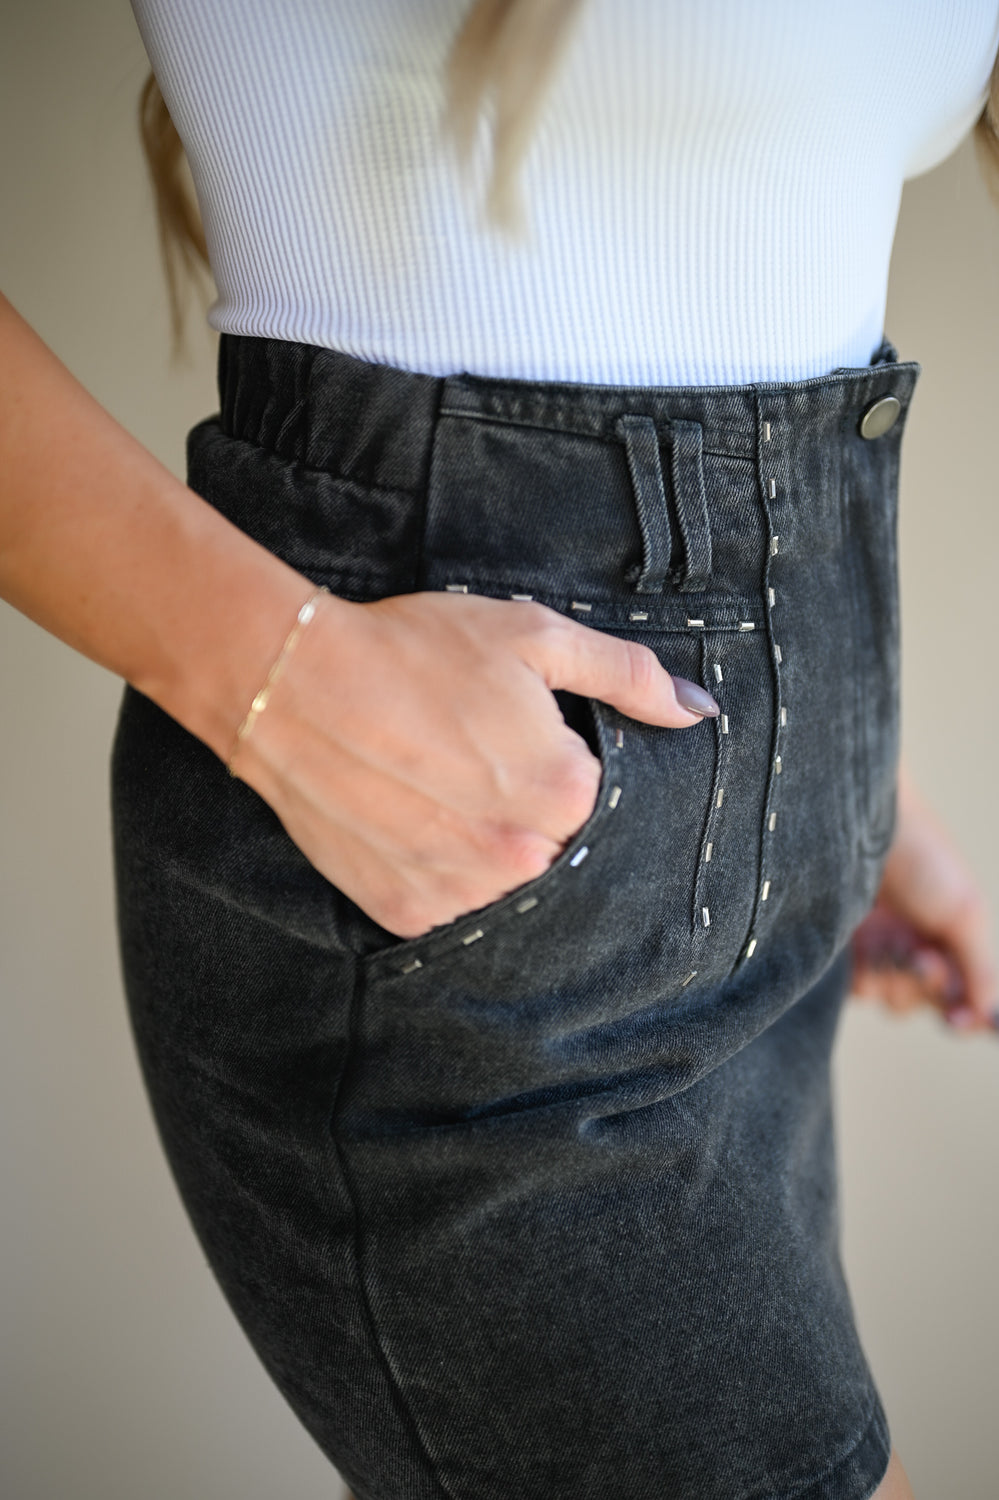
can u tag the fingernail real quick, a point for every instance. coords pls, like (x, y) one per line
(695, 699)
(961, 1017)
(994, 1020)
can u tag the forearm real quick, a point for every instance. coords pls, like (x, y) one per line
(101, 545)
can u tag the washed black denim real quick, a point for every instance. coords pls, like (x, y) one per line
(542, 1206)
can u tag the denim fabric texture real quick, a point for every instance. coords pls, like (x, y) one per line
(543, 1206)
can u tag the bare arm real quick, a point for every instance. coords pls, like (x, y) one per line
(101, 545)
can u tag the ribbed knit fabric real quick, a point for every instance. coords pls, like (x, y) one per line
(712, 190)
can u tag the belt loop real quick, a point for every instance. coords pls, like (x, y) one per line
(691, 504)
(641, 444)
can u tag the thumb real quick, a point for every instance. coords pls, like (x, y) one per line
(622, 673)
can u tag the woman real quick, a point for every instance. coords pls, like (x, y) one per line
(542, 1201)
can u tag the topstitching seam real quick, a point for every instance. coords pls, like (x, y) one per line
(568, 431)
(394, 1384)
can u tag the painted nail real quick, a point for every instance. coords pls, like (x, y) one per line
(695, 699)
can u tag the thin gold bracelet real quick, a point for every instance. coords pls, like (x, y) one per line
(305, 614)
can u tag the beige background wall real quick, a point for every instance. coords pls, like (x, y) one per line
(123, 1372)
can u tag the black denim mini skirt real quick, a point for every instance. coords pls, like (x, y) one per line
(542, 1206)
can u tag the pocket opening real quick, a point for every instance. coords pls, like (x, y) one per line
(590, 719)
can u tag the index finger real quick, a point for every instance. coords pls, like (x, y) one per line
(624, 673)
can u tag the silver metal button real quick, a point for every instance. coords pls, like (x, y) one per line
(880, 416)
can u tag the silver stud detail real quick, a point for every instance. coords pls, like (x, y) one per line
(412, 966)
(473, 937)
(705, 916)
(724, 723)
(778, 766)
(528, 903)
(456, 588)
(638, 615)
(579, 856)
(581, 609)
(783, 717)
(778, 653)
(695, 624)
(718, 672)
(766, 890)
(751, 949)
(772, 597)
(614, 798)
(746, 625)
(522, 598)
(774, 545)
(619, 739)
(766, 432)
(772, 822)
(720, 797)
(773, 489)
(708, 853)
(690, 976)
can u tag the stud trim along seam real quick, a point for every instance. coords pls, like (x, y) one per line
(774, 484)
(611, 791)
(711, 667)
(736, 623)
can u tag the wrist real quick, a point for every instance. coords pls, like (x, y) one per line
(104, 547)
(261, 698)
(217, 645)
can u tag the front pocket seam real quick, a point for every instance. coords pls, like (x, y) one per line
(711, 818)
(409, 955)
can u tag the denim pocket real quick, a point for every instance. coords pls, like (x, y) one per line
(571, 984)
(616, 922)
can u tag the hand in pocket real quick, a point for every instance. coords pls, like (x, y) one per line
(414, 749)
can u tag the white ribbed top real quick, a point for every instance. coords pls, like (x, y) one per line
(712, 190)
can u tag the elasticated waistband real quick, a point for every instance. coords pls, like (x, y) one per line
(332, 412)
